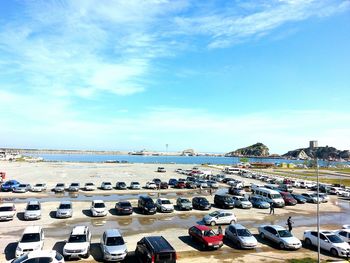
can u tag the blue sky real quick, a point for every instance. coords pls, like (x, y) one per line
(209, 75)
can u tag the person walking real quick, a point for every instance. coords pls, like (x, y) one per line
(272, 209)
(290, 224)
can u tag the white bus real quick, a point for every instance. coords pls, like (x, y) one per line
(232, 170)
(270, 196)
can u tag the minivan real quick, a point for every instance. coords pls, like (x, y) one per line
(155, 249)
(146, 205)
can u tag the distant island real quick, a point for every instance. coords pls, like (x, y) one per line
(324, 153)
(256, 150)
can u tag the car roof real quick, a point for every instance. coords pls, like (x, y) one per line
(277, 227)
(78, 230)
(42, 253)
(112, 233)
(65, 202)
(33, 202)
(6, 204)
(32, 229)
(163, 199)
(159, 243)
(238, 226)
(202, 227)
(97, 201)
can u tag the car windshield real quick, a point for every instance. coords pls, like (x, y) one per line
(30, 237)
(284, 233)
(114, 241)
(288, 195)
(185, 201)
(33, 207)
(75, 184)
(134, 183)
(89, 184)
(59, 185)
(99, 205)
(228, 199)
(334, 239)
(166, 202)
(39, 185)
(20, 259)
(6, 208)
(216, 213)
(22, 185)
(203, 201)
(124, 204)
(149, 203)
(107, 183)
(77, 238)
(121, 184)
(275, 196)
(65, 206)
(209, 233)
(243, 233)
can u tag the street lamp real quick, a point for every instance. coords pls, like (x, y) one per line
(318, 210)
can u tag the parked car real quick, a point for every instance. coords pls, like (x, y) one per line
(200, 203)
(78, 243)
(89, 187)
(336, 190)
(60, 187)
(146, 205)
(224, 201)
(64, 210)
(236, 191)
(124, 208)
(164, 205)
(202, 184)
(33, 210)
(163, 185)
(155, 249)
(113, 246)
(285, 188)
(212, 184)
(161, 170)
(98, 208)
(51, 256)
(279, 235)
(344, 234)
(106, 186)
(38, 187)
(191, 185)
(311, 198)
(288, 198)
(242, 202)
(240, 236)
(121, 186)
(300, 199)
(324, 197)
(206, 237)
(9, 185)
(183, 203)
(328, 241)
(180, 184)
(151, 185)
(32, 239)
(172, 182)
(21, 188)
(74, 187)
(7, 211)
(258, 202)
(135, 186)
(219, 217)
(157, 181)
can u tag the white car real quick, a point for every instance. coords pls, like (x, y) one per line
(213, 184)
(346, 227)
(64, 210)
(74, 187)
(32, 239)
(280, 236)
(344, 234)
(151, 185)
(241, 236)
(164, 205)
(7, 211)
(113, 246)
(78, 243)
(59, 188)
(21, 188)
(51, 256)
(220, 217)
(336, 191)
(328, 241)
(106, 186)
(38, 188)
(242, 202)
(202, 184)
(98, 208)
(135, 186)
(33, 210)
(89, 187)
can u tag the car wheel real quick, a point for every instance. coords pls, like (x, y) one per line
(233, 222)
(281, 245)
(262, 235)
(334, 252)
(239, 244)
(204, 247)
(212, 223)
(308, 242)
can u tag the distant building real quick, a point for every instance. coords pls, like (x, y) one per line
(313, 144)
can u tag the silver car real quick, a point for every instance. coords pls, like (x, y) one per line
(184, 203)
(241, 236)
(33, 210)
(21, 188)
(280, 236)
(74, 187)
(220, 217)
(242, 202)
(64, 210)
(113, 246)
(59, 188)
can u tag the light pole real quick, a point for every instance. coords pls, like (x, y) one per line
(318, 211)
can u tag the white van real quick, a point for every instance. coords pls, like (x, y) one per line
(232, 170)
(270, 196)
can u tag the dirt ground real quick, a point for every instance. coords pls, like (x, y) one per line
(173, 226)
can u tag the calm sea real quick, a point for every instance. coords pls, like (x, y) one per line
(161, 159)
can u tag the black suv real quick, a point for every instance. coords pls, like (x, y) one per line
(201, 203)
(146, 205)
(224, 201)
(155, 249)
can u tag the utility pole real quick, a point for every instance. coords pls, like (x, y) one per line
(318, 212)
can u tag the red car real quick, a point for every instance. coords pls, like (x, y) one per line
(163, 185)
(288, 198)
(180, 184)
(206, 237)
